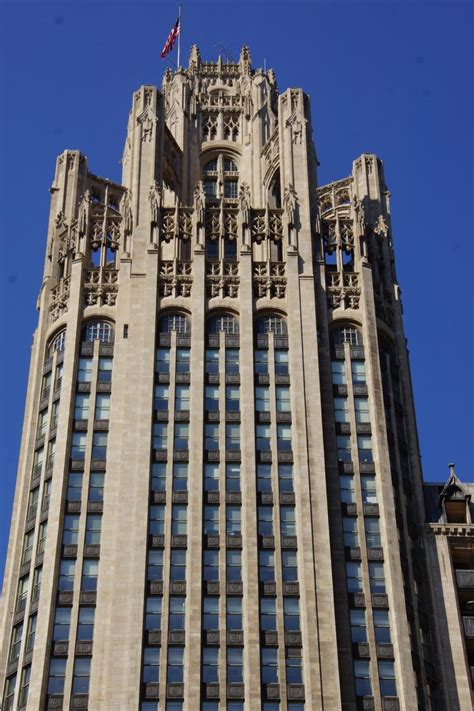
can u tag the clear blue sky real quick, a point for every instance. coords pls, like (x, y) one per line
(391, 78)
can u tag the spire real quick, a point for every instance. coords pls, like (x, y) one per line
(194, 59)
(245, 60)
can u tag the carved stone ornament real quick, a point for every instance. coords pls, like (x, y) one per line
(155, 198)
(244, 202)
(290, 202)
(381, 228)
(199, 201)
(126, 210)
(147, 120)
(297, 124)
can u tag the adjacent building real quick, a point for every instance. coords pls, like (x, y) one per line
(219, 501)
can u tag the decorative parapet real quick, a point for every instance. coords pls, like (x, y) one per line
(175, 278)
(343, 290)
(100, 286)
(269, 279)
(222, 279)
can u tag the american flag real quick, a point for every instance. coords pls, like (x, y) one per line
(171, 38)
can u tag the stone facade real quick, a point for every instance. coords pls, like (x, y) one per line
(219, 492)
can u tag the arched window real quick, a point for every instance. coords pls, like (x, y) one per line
(57, 343)
(272, 323)
(221, 178)
(228, 323)
(98, 331)
(175, 322)
(347, 334)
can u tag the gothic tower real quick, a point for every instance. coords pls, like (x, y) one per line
(219, 500)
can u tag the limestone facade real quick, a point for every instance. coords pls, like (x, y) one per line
(219, 501)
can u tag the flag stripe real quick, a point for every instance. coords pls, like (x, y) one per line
(168, 46)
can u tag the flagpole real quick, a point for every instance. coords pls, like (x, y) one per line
(179, 37)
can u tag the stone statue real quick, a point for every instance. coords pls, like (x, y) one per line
(199, 201)
(244, 202)
(290, 202)
(154, 198)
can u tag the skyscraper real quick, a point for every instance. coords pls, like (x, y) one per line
(219, 500)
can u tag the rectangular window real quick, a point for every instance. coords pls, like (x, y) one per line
(153, 613)
(178, 565)
(42, 422)
(161, 397)
(264, 478)
(351, 534)
(183, 357)
(210, 613)
(234, 613)
(354, 577)
(46, 495)
(377, 578)
(284, 438)
(31, 634)
(96, 486)
(210, 565)
(291, 609)
(285, 476)
(362, 410)
(261, 362)
(15, 643)
(102, 407)
(212, 361)
(62, 623)
(358, 626)
(155, 565)
(268, 614)
(51, 453)
(210, 665)
(93, 529)
(289, 566)
(74, 486)
(33, 503)
(23, 587)
(58, 376)
(81, 676)
(232, 398)
(262, 398)
(85, 624)
(232, 438)
(158, 476)
(233, 521)
(179, 516)
(38, 462)
(211, 398)
(211, 520)
(54, 414)
(234, 566)
(78, 445)
(263, 438)
(265, 521)
(176, 613)
(37, 576)
(232, 477)
(24, 686)
(230, 189)
(364, 445)
(104, 374)
(90, 571)
(181, 402)
(99, 445)
(151, 665)
(232, 361)
(42, 533)
(160, 436)
(382, 627)
(70, 529)
(84, 370)
(81, 406)
(338, 372)
(281, 363)
(156, 523)
(181, 436)
(175, 665)
(211, 437)
(287, 521)
(363, 684)
(369, 489)
(45, 386)
(343, 448)
(235, 674)
(162, 363)
(27, 547)
(294, 667)
(211, 477)
(266, 566)
(372, 532)
(57, 674)
(180, 476)
(269, 664)
(283, 399)
(388, 685)
(347, 492)
(341, 411)
(358, 371)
